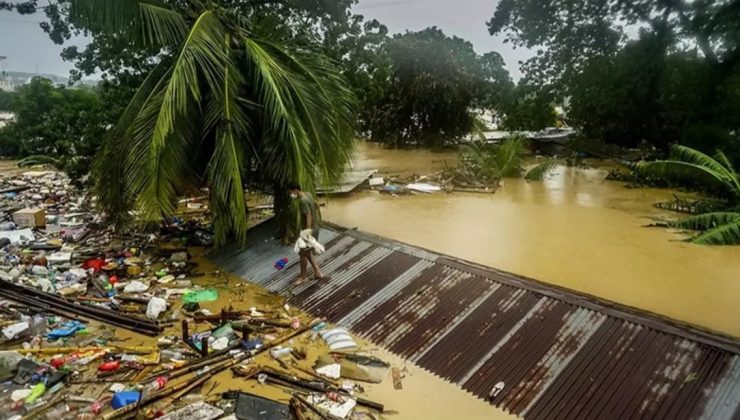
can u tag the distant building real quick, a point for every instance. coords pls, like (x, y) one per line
(7, 84)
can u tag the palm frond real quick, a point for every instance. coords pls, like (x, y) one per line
(705, 221)
(161, 154)
(160, 25)
(108, 168)
(680, 171)
(327, 114)
(725, 234)
(733, 175)
(539, 172)
(148, 22)
(689, 155)
(39, 160)
(286, 134)
(720, 157)
(509, 156)
(226, 166)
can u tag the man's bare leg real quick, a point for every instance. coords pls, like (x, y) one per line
(304, 266)
(316, 269)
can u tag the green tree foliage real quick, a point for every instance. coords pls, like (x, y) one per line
(229, 104)
(55, 121)
(681, 71)
(715, 175)
(527, 108)
(435, 81)
(6, 100)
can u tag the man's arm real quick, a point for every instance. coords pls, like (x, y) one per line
(309, 221)
(306, 213)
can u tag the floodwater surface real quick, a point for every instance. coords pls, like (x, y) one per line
(575, 229)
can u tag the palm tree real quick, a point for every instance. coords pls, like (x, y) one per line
(715, 174)
(488, 164)
(226, 105)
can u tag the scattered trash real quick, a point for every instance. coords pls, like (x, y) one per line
(279, 352)
(205, 295)
(332, 371)
(199, 410)
(135, 287)
(67, 329)
(396, 373)
(30, 218)
(250, 407)
(20, 394)
(123, 398)
(338, 406)
(338, 339)
(14, 330)
(376, 181)
(496, 390)
(424, 188)
(69, 283)
(281, 263)
(17, 237)
(155, 307)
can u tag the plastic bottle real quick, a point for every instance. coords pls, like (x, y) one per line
(159, 383)
(109, 366)
(320, 326)
(85, 360)
(37, 391)
(58, 413)
(39, 270)
(56, 388)
(171, 355)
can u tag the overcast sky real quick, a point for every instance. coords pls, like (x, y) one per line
(29, 49)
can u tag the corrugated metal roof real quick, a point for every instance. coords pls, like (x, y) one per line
(551, 353)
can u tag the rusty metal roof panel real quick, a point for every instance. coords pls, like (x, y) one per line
(532, 350)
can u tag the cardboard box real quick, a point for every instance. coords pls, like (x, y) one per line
(30, 218)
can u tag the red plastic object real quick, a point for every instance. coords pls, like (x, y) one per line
(95, 263)
(57, 362)
(113, 279)
(109, 366)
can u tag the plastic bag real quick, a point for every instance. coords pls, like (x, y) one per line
(155, 307)
(205, 295)
(135, 286)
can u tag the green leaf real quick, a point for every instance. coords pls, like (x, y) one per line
(40, 160)
(725, 234)
(681, 171)
(706, 221)
(148, 22)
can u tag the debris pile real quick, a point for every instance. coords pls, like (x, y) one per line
(74, 295)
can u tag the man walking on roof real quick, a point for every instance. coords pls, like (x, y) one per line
(310, 219)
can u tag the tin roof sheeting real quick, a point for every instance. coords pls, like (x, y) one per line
(529, 349)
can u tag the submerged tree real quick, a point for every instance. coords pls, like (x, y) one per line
(715, 175)
(435, 82)
(225, 104)
(681, 71)
(54, 121)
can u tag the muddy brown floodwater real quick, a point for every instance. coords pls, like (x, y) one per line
(574, 229)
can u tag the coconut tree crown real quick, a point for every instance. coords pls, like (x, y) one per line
(226, 105)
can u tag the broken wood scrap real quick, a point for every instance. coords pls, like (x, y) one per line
(396, 373)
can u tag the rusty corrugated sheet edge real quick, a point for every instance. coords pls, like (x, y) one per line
(534, 372)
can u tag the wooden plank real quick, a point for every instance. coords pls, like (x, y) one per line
(396, 372)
